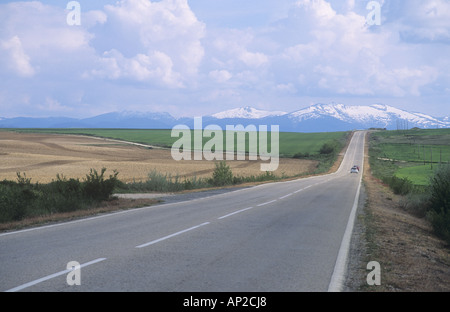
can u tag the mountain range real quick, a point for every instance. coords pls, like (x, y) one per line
(314, 118)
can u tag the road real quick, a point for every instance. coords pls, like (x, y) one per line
(278, 237)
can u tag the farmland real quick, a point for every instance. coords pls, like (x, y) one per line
(412, 154)
(290, 143)
(42, 154)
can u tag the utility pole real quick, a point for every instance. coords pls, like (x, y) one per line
(431, 153)
(424, 163)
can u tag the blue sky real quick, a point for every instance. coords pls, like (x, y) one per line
(198, 57)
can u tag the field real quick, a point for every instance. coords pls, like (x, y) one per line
(290, 143)
(412, 154)
(41, 156)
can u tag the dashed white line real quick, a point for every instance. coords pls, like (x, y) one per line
(171, 235)
(269, 202)
(286, 196)
(233, 213)
(46, 278)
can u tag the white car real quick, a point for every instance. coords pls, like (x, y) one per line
(355, 169)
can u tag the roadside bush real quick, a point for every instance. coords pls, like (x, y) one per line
(416, 203)
(329, 148)
(222, 175)
(301, 155)
(400, 186)
(439, 214)
(14, 200)
(22, 199)
(67, 195)
(96, 187)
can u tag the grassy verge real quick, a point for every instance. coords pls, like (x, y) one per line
(395, 158)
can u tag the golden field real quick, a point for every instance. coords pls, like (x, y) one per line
(42, 156)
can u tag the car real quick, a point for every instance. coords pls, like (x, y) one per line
(355, 169)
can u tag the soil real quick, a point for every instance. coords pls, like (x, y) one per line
(411, 257)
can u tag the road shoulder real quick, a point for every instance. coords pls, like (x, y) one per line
(411, 258)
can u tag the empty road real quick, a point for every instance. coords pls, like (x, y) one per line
(277, 237)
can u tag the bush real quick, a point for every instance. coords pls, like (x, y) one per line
(439, 213)
(22, 199)
(329, 148)
(416, 203)
(222, 175)
(440, 221)
(400, 186)
(301, 155)
(96, 187)
(14, 200)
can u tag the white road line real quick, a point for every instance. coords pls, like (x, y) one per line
(171, 235)
(233, 213)
(46, 278)
(286, 196)
(263, 204)
(337, 279)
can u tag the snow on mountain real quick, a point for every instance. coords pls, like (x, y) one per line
(378, 115)
(314, 118)
(247, 113)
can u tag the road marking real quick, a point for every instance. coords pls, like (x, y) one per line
(263, 204)
(233, 213)
(171, 235)
(286, 196)
(46, 278)
(337, 279)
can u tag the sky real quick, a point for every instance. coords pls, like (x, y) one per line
(200, 57)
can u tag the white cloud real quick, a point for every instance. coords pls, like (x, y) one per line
(340, 54)
(155, 68)
(16, 58)
(220, 76)
(138, 51)
(167, 27)
(426, 20)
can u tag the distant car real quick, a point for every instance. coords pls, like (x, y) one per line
(355, 169)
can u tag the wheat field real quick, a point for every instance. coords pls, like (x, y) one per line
(42, 156)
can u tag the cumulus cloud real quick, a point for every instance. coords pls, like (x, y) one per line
(342, 55)
(16, 58)
(427, 21)
(136, 50)
(169, 36)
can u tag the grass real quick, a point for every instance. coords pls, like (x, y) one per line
(411, 154)
(420, 175)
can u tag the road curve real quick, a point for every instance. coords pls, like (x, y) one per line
(278, 237)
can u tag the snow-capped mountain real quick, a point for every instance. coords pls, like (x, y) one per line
(378, 115)
(314, 118)
(247, 113)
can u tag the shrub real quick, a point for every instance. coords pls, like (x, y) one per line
(96, 187)
(439, 213)
(222, 175)
(22, 199)
(301, 155)
(329, 148)
(400, 186)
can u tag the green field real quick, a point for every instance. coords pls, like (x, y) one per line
(412, 154)
(290, 143)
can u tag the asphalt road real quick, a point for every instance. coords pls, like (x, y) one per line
(277, 237)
